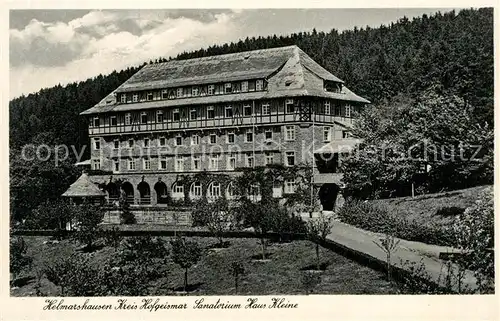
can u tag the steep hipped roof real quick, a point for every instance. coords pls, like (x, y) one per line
(83, 187)
(289, 71)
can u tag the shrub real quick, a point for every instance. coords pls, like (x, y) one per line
(49, 215)
(87, 217)
(76, 276)
(310, 280)
(450, 211)
(377, 218)
(150, 253)
(318, 228)
(237, 269)
(474, 233)
(185, 253)
(199, 214)
(112, 237)
(126, 215)
(130, 280)
(18, 257)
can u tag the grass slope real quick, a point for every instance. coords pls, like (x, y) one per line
(211, 276)
(424, 208)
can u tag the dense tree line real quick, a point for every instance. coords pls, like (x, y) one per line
(450, 52)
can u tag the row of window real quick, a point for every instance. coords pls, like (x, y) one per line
(194, 113)
(195, 139)
(214, 189)
(195, 91)
(214, 164)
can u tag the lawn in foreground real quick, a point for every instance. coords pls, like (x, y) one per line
(212, 276)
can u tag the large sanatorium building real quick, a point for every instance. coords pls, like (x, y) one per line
(218, 114)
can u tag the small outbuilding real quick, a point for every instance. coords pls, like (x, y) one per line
(83, 189)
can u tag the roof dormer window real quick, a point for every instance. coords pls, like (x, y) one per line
(228, 88)
(259, 85)
(332, 86)
(123, 98)
(244, 86)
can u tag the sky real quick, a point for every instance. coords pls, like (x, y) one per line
(50, 47)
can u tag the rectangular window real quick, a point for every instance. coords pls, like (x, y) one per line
(348, 110)
(228, 88)
(127, 118)
(290, 133)
(131, 164)
(250, 160)
(179, 164)
(266, 110)
(116, 144)
(231, 161)
(178, 140)
(123, 98)
(159, 116)
(163, 163)
(247, 110)
(337, 110)
(229, 112)
(149, 96)
(290, 158)
(135, 98)
(196, 189)
(196, 163)
(269, 158)
(213, 139)
(144, 118)
(176, 115)
(268, 134)
(179, 188)
(96, 164)
(163, 141)
(195, 91)
(131, 143)
(259, 84)
(96, 122)
(251, 85)
(327, 134)
(116, 166)
(146, 164)
(230, 138)
(146, 142)
(244, 86)
(345, 134)
(214, 163)
(211, 89)
(195, 140)
(113, 121)
(179, 92)
(289, 106)
(97, 143)
(327, 108)
(289, 187)
(249, 136)
(164, 94)
(193, 114)
(210, 112)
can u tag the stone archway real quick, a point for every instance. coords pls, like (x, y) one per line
(161, 192)
(113, 191)
(128, 189)
(328, 196)
(144, 192)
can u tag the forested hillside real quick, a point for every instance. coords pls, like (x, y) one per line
(451, 53)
